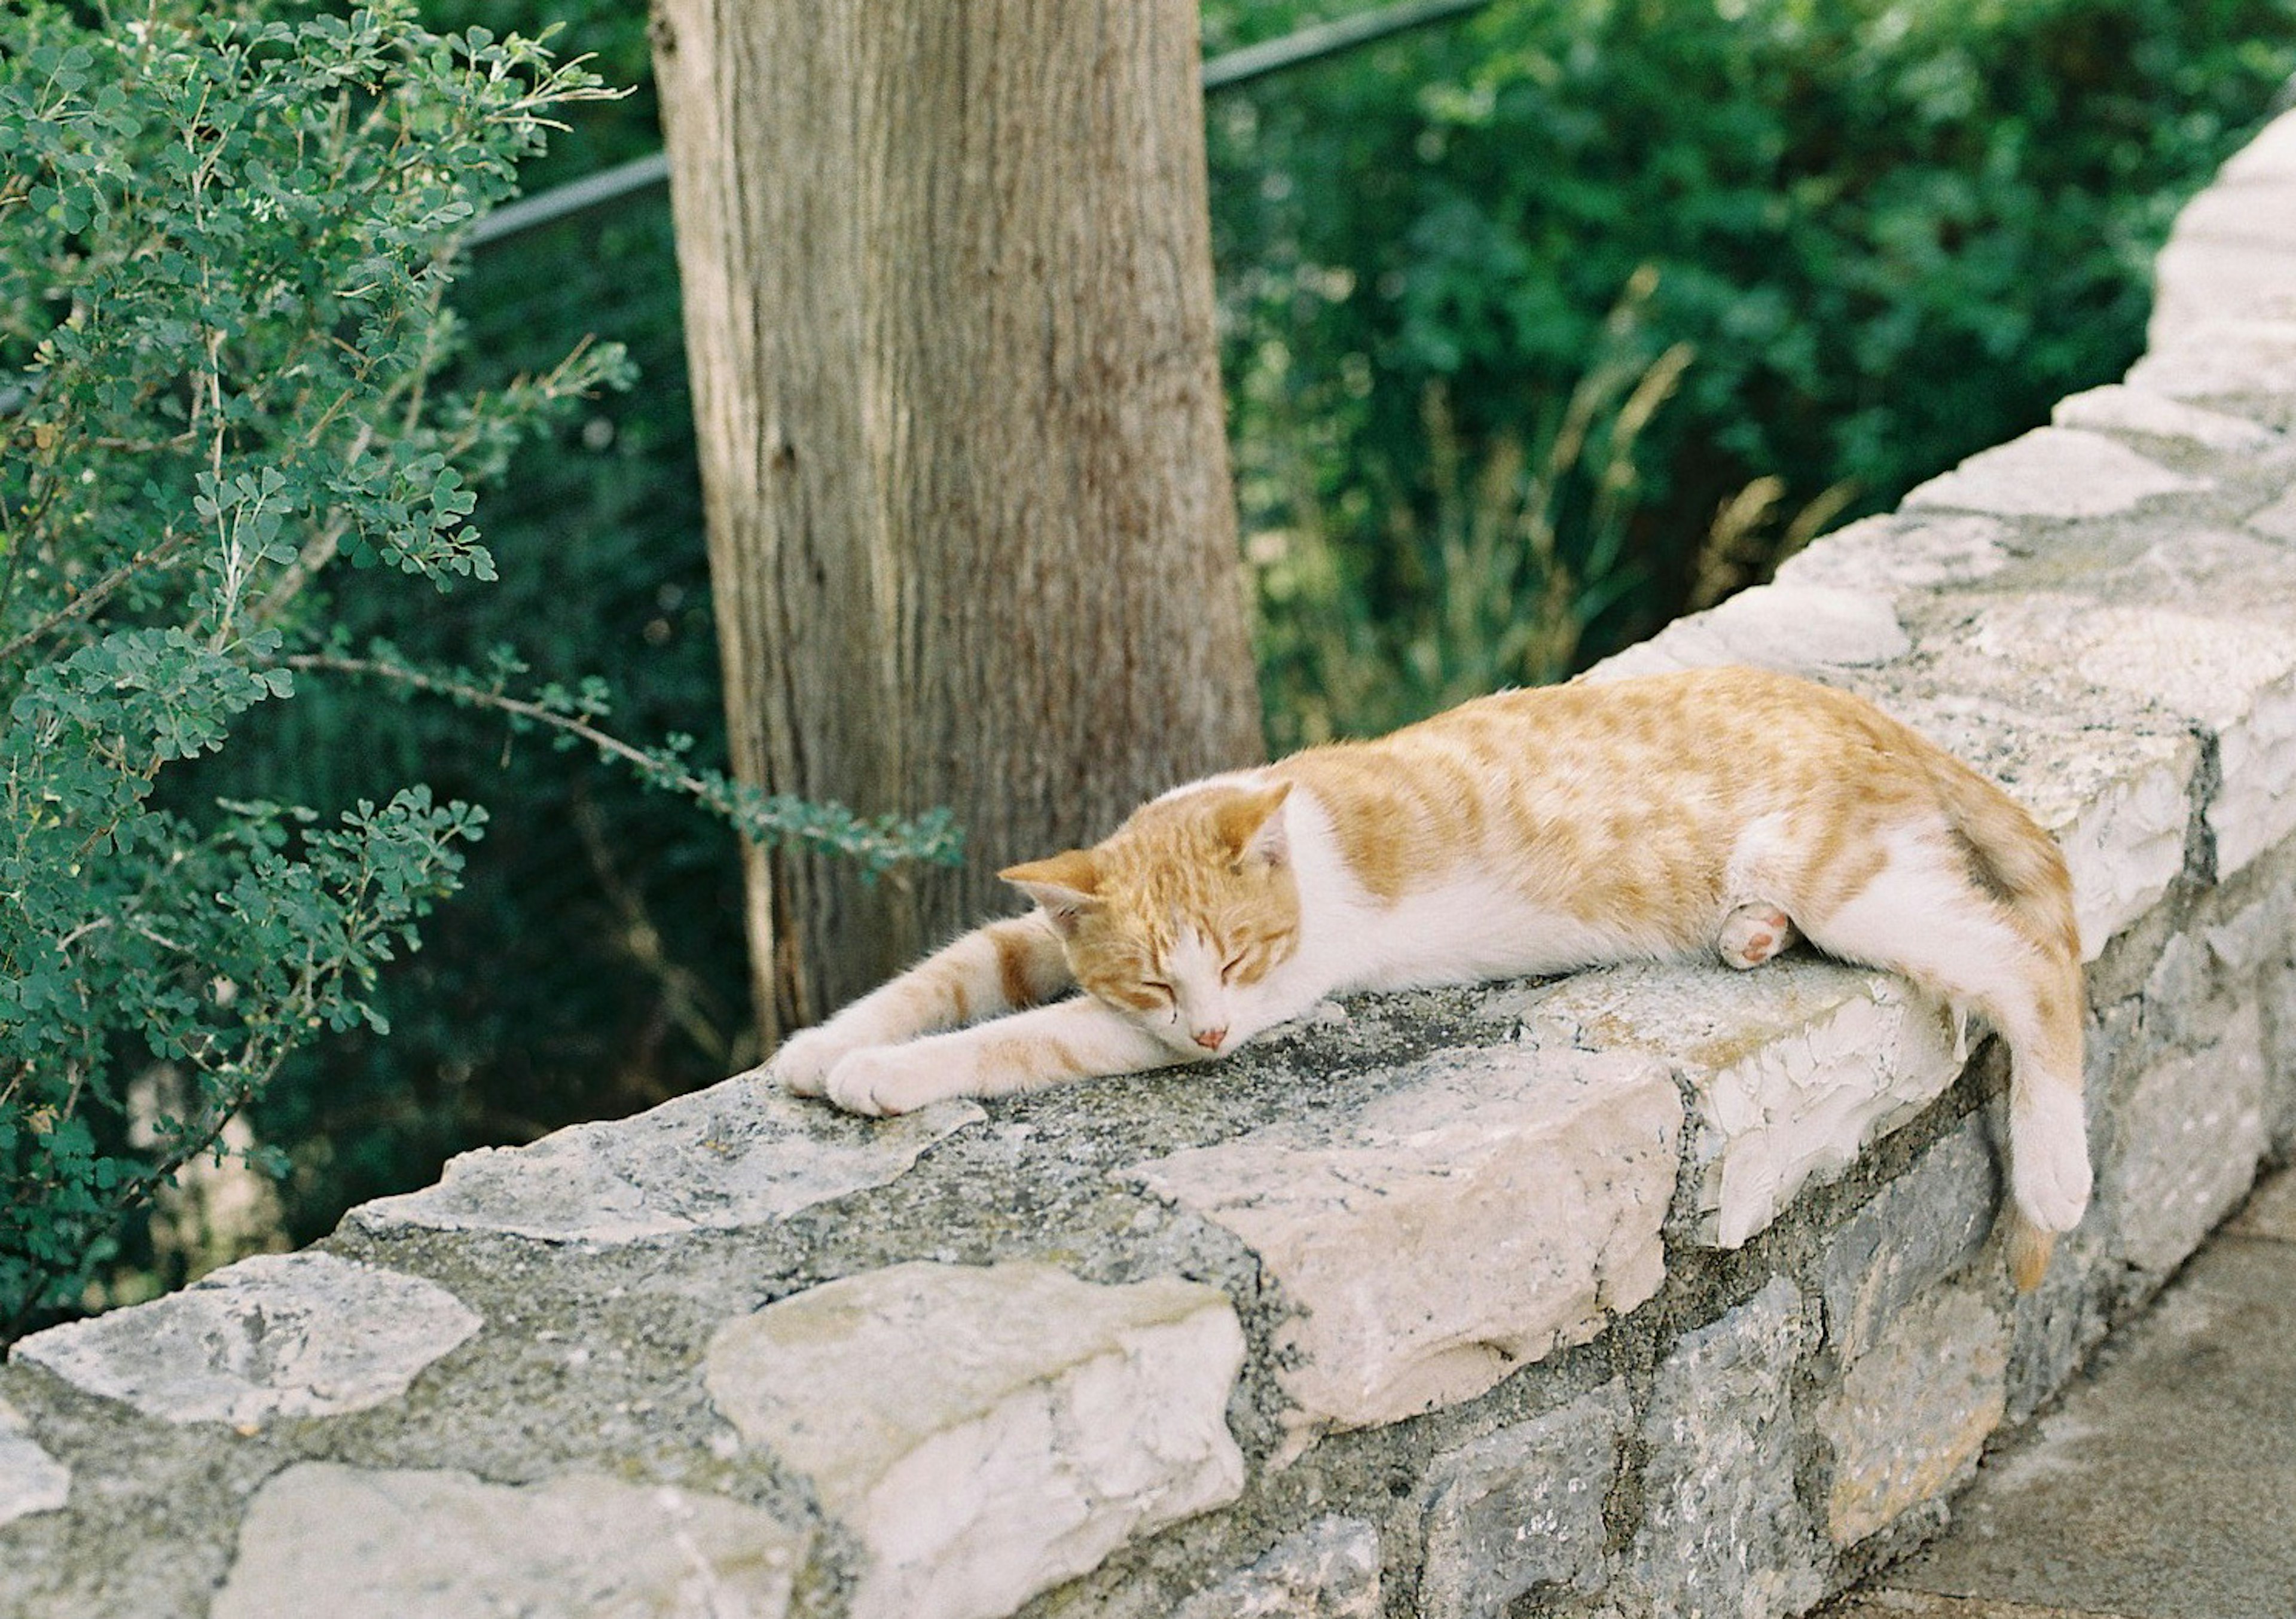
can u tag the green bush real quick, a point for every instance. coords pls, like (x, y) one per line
(224, 248)
(1887, 234)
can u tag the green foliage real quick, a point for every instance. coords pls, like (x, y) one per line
(224, 247)
(1887, 234)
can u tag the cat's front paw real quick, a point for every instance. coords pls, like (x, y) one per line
(802, 1064)
(882, 1080)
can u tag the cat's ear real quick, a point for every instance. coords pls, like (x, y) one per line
(1066, 886)
(1252, 823)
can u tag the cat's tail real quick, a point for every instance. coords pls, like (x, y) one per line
(2038, 1008)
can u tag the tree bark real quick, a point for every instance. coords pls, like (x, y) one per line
(948, 311)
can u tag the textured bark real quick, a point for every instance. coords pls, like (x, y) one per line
(948, 310)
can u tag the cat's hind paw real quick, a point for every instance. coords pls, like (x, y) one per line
(1752, 934)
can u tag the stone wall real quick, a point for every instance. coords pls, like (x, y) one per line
(1658, 1291)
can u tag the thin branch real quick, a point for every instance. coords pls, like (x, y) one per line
(94, 595)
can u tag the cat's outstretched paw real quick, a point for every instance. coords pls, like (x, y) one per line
(802, 1064)
(1752, 934)
(2049, 1172)
(882, 1080)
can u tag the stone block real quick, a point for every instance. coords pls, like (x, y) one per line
(986, 1432)
(2052, 471)
(2207, 663)
(2271, 1212)
(1497, 1205)
(1792, 1069)
(1329, 1570)
(740, 1153)
(1805, 627)
(354, 1544)
(2188, 1135)
(2117, 408)
(1911, 1415)
(1724, 1535)
(2269, 157)
(1903, 551)
(31, 1479)
(2207, 357)
(2202, 278)
(280, 1334)
(1521, 1510)
(1918, 1230)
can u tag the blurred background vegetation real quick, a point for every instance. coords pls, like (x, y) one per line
(1541, 326)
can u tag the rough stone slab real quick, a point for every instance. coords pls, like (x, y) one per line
(989, 1431)
(2189, 1134)
(1776, 627)
(740, 1153)
(280, 1334)
(1521, 1509)
(2163, 1487)
(1329, 1570)
(1724, 1535)
(2234, 676)
(1498, 1205)
(1792, 1069)
(2052, 471)
(31, 1479)
(2271, 1213)
(1918, 1230)
(1910, 1416)
(2263, 215)
(2117, 408)
(351, 1543)
(2270, 155)
(2219, 358)
(1927, 1605)
(2199, 279)
(1915, 551)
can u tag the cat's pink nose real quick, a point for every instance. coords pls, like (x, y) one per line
(1210, 1039)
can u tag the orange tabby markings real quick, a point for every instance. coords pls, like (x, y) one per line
(1716, 809)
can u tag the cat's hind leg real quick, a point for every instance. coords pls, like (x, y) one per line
(1920, 913)
(1752, 934)
(1001, 968)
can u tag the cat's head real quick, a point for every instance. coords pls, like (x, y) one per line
(1178, 918)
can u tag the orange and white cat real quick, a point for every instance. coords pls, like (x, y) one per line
(1534, 831)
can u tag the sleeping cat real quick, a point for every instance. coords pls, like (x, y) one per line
(1533, 831)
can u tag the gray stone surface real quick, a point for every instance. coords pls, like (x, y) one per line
(1797, 626)
(2234, 674)
(31, 1479)
(2119, 408)
(280, 1334)
(1520, 1511)
(1329, 1570)
(1918, 1230)
(738, 1153)
(2052, 471)
(1500, 1204)
(2271, 1212)
(2202, 357)
(354, 1544)
(1909, 551)
(1792, 1070)
(2164, 1486)
(2189, 1134)
(988, 1432)
(1910, 1416)
(1724, 1535)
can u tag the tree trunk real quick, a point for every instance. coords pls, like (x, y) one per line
(948, 310)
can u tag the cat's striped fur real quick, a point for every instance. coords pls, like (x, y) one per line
(1716, 810)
